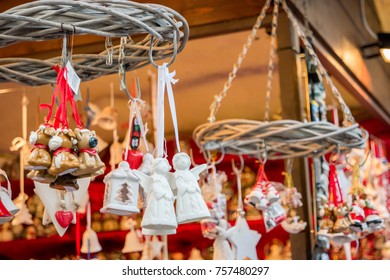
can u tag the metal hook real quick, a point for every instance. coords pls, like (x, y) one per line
(208, 157)
(262, 152)
(174, 50)
(234, 167)
(124, 88)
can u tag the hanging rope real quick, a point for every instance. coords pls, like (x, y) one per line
(232, 75)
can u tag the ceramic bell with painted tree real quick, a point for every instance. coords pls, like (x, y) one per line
(121, 191)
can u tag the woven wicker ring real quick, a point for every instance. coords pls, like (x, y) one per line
(284, 139)
(47, 19)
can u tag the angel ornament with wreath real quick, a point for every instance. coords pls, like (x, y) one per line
(190, 205)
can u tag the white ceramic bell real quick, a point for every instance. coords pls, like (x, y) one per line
(133, 241)
(6, 195)
(190, 205)
(121, 192)
(159, 212)
(90, 242)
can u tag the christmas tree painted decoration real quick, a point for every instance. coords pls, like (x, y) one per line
(121, 193)
(125, 193)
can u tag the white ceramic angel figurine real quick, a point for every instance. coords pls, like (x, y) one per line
(159, 212)
(145, 167)
(222, 248)
(190, 205)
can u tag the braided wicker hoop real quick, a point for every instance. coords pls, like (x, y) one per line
(283, 139)
(47, 19)
(37, 72)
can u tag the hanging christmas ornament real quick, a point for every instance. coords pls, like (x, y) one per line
(90, 162)
(134, 240)
(90, 243)
(152, 248)
(61, 206)
(71, 153)
(266, 198)
(6, 196)
(213, 195)
(136, 129)
(23, 216)
(242, 237)
(5, 215)
(146, 168)
(190, 205)
(40, 157)
(159, 212)
(221, 245)
(121, 192)
(291, 199)
(340, 210)
(244, 240)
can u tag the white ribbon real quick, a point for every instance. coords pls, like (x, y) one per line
(165, 81)
(9, 191)
(135, 110)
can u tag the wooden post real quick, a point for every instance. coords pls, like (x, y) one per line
(293, 107)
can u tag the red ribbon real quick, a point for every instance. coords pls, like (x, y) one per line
(39, 146)
(66, 94)
(92, 152)
(261, 177)
(335, 194)
(60, 150)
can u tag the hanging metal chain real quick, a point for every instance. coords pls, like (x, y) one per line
(347, 118)
(271, 60)
(110, 50)
(121, 58)
(218, 98)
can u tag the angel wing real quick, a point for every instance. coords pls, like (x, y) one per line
(198, 169)
(172, 182)
(145, 181)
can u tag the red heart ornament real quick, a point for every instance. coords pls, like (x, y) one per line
(64, 218)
